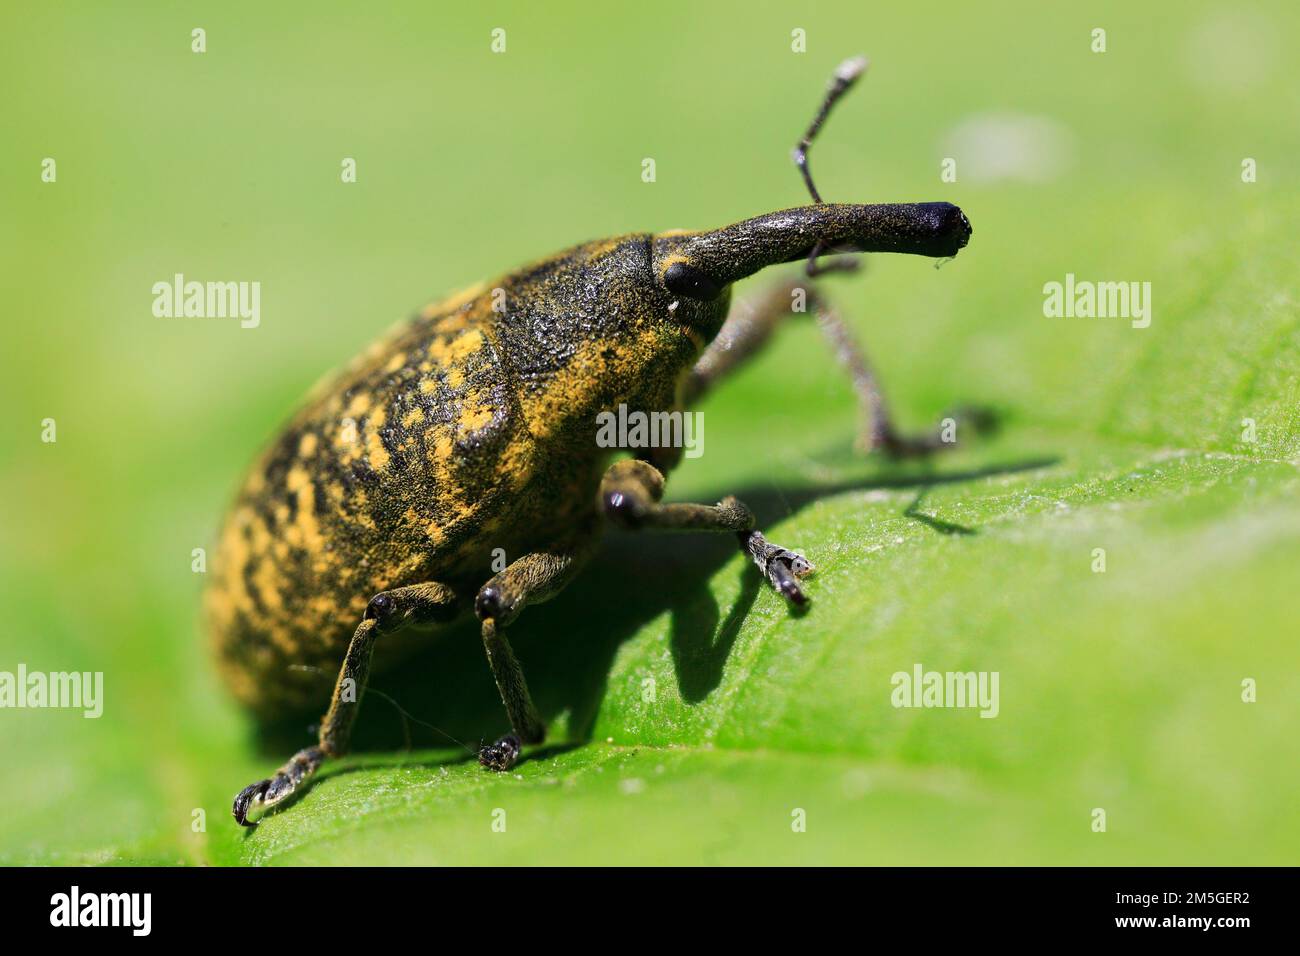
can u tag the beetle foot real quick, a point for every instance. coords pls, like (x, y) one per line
(782, 567)
(255, 799)
(501, 755)
(975, 419)
(249, 800)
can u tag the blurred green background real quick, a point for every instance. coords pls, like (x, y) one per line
(1119, 690)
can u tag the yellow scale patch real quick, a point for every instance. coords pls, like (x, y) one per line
(378, 456)
(305, 531)
(476, 412)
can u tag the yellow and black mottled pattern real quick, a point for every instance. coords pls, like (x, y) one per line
(469, 428)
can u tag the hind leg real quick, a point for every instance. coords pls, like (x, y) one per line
(388, 610)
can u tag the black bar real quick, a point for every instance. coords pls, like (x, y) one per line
(215, 905)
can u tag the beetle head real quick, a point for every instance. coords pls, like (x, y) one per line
(626, 316)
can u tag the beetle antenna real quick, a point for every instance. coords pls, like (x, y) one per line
(846, 74)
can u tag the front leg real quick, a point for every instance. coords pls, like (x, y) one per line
(630, 493)
(750, 326)
(533, 578)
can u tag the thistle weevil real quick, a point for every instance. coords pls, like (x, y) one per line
(470, 430)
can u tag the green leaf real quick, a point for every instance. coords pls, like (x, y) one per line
(1113, 687)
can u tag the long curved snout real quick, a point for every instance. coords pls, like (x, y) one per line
(934, 229)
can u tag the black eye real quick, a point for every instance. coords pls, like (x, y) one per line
(683, 279)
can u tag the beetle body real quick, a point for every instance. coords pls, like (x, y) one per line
(471, 428)
(466, 430)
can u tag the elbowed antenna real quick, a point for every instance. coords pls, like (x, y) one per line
(723, 256)
(845, 75)
(703, 264)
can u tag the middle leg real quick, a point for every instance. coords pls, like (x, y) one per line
(531, 579)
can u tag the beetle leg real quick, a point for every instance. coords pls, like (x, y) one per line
(880, 431)
(630, 493)
(388, 610)
(748, 329)
(531, 579)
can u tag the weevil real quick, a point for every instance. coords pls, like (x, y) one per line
(470, 431)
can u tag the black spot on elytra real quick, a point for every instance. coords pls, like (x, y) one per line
(254, 593)
(360, 472)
